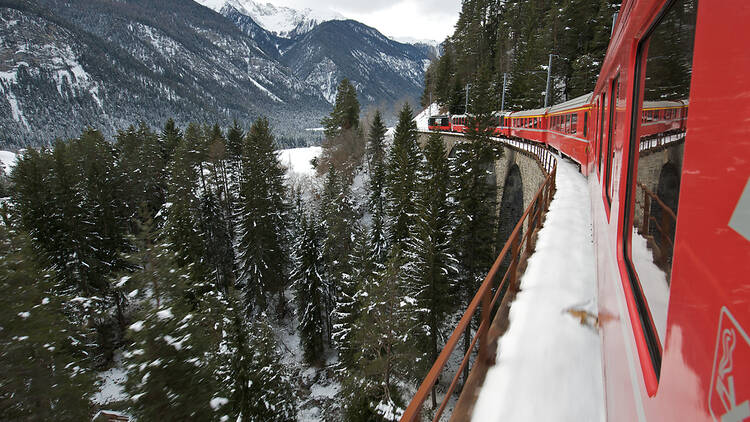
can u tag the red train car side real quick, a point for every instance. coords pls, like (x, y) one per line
(671, 211)
(568, 129)
(439, 123)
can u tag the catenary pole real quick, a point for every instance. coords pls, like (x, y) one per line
(549, 72)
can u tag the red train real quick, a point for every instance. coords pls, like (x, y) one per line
(670, 198)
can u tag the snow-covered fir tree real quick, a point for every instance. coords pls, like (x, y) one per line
(263, 244)
(362, 264)
(377, 199)
(45, 368)
(310, 294)
(173, 356)
(337, 215)
(433, 267)
(384, 352)
(401, 179)
(183, 205)
(217, 239)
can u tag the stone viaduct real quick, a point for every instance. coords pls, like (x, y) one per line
(517, 175)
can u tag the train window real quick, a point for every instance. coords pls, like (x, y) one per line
(663, 73)
(613, 95)
(573, 123)
(601, 130)
(585, 123)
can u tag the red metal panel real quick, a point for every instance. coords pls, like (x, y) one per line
(709, 306)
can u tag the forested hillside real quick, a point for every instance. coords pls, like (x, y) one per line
(516, 37)
(216, 287)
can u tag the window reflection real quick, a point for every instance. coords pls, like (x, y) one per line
(666, 63)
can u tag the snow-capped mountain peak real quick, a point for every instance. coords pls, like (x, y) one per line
(282, 21)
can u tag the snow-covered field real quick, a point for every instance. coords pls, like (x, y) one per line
(549, 363)
(297, 160)
(7, 161)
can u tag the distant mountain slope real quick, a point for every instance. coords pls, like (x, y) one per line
(283, 22)
(109, 64)
(380, 68)
(68, 64)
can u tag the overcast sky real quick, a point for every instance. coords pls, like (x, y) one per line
(419, 19)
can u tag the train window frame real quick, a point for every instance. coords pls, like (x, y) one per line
(585, 123)
(646, 336)
(574, 123)
(602, 107)
(613, 93)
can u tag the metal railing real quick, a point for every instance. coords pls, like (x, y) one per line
(664, 225)
(518, 247)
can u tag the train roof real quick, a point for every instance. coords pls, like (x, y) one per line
(440, 116)
(576, 102)
(534, 112)
(664, 104)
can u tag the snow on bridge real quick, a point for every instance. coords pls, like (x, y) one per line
(549, 360)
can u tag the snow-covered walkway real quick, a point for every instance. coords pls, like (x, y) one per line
(549, 363)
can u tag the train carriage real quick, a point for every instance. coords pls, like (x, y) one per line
(670, 194)
(671, 211)
(529, 124)
(439, 123)
(459, 123)
(568, 128)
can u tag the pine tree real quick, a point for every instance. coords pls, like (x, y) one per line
(263, 243)
(271, 391)
(219, 253)
(401, 177)
(173, 357)
(383, 349)
(344, 144)
(170, 139)
(349, 306)
(337, 215)
(376, 140)
(310, 293)
(45, 373)
(183, 225)
(255, 386)
(71, 202)
(143, 167)
(345, 114)
(434, 267)
(377, 199)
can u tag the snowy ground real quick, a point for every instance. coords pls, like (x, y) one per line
(549, 363)
(297, 160)
(112, 383)
(7, 161)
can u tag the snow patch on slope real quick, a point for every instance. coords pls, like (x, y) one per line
(279, 20)
(112, 383)
(297, 160)
(7, 161)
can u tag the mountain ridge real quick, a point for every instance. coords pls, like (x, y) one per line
(111, 64)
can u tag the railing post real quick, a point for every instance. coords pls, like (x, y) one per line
(646, 213)
(484, 355)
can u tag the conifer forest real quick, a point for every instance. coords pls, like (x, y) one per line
(184, 259)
